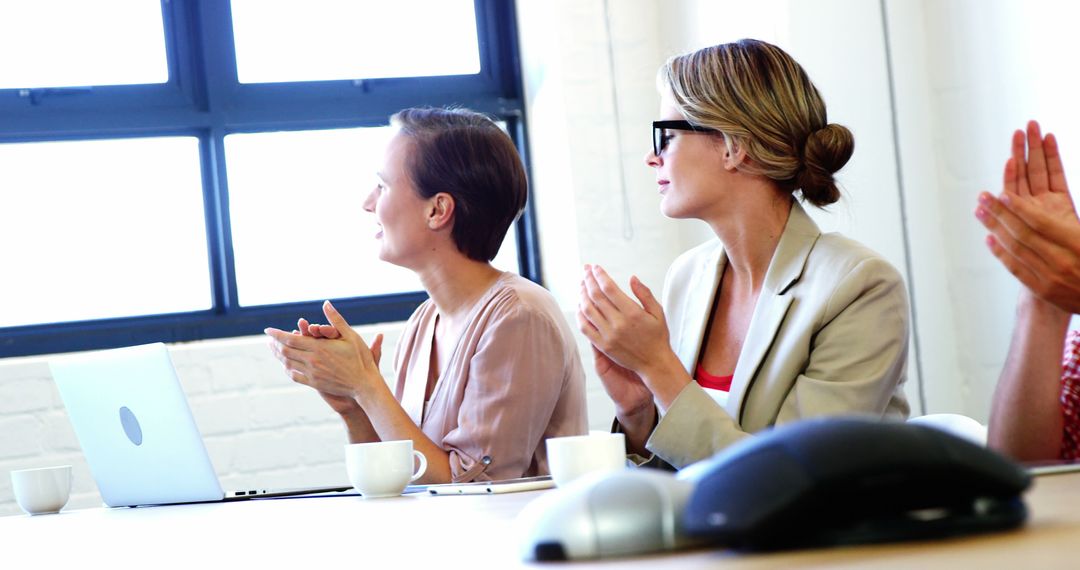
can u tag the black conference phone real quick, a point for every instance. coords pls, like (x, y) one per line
(834, 481)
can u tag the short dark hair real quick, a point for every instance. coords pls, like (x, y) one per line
(465, 154)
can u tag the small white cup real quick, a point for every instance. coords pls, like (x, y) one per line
(383, 468)
(42, 491)
(573, 456)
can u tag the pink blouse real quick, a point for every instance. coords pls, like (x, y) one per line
(513, 380)
(1070, 396)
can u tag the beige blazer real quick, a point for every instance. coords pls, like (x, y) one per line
(829, 336)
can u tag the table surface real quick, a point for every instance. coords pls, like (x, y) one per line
(467, 531)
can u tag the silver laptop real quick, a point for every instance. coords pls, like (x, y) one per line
(136, 430)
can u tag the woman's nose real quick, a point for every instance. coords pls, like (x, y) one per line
(651, 159)
(369, 202)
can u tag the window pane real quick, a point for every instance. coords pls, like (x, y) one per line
(100, 229)
(55, 43)
(312, 40)
(299, 229)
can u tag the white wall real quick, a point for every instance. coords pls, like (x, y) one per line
(964, 75)
(967, 73)
(591, 100)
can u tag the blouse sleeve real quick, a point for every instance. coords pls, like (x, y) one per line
(515, 380)
(1070, 396)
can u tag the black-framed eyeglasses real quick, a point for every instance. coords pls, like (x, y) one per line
(660, 136)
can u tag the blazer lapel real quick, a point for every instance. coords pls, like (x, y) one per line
(705, 280)
(789, 259)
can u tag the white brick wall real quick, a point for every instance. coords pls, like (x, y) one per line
(260, 428)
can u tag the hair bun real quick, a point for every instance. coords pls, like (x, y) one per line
(827, 150)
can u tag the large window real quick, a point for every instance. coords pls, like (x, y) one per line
(160, 162)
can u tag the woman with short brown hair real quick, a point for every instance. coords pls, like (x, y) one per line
(486, 369)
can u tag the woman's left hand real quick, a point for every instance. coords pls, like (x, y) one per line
(632, 335)
(343, 366)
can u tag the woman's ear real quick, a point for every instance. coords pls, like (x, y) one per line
(440, 211)
(734, 155)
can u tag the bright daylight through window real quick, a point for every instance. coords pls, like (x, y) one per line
(160, 161)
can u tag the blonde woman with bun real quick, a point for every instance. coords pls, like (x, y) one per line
(773, 321)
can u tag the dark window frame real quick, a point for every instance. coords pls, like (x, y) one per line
(204, 99)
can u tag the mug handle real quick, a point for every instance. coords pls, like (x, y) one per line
(423, 465)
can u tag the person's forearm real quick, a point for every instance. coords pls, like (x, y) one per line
(636, 428)
(1026, 419)
(666, 378)
(358, 427)
(391, 422)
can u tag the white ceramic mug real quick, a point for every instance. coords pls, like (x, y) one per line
(573, 456)
(383, 468)
(42, 491)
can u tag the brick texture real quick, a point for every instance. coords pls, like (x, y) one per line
(260, 429)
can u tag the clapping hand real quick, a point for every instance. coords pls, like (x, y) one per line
(631, 333)
(1034, 229)
(332, 359)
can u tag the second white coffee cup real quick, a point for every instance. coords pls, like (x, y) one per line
(42, 491)
(383, 468)
(573, 456)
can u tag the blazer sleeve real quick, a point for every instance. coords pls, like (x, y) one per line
(694, 428)
(516, 378)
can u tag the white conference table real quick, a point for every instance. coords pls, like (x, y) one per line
(463, 532)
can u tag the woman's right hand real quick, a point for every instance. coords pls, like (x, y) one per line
(634, 408)
(357, 424)
(344, 406)
(632, 398)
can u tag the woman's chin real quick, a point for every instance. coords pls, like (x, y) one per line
(397, 260)
(672, 210)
